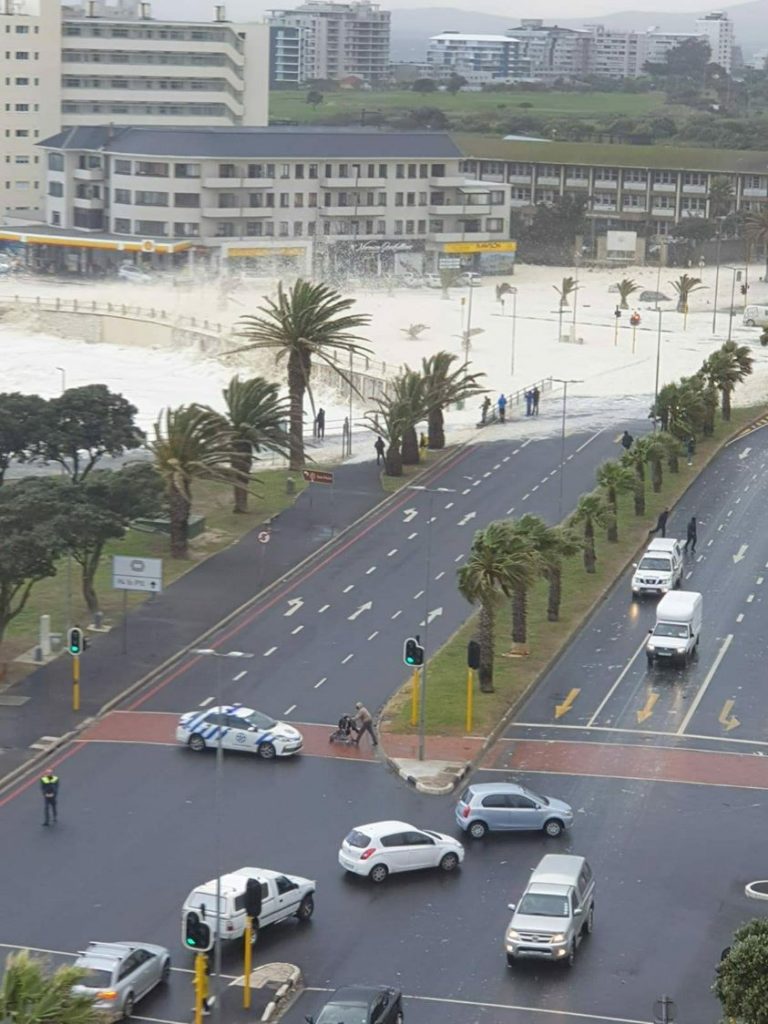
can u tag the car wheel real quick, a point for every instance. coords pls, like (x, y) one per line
(306, 908)
(128, 1006)
(591, 920)
(750, 323)
(478, 829)
(571, 959)
(267, 751)
(553, 827)
(165, 974)
(449, 861)
(196, 742)
(510, 960)
(378, 873)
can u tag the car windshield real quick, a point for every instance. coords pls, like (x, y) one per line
(358, 839)
(657, 564)
(344, 1013)
(544, 905)
(429, 832)
(94, 978)
(671, 629)
(260, 721)
(536, 798)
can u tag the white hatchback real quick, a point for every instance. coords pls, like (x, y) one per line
(385, 847)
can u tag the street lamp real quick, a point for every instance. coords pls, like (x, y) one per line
(735, 276)
(210, 652)
(717, 271)
(431, 491)
(565, 383)
(513, 293)
(658, 365)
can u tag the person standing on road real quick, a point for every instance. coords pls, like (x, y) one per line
(364, 723)
(528, 402)
(536, 395)
(690, 448)
(502, 404)
(661, 524)
(627, 440)
(690, 536)
(379, 446)
(320, 422)
(484, 410)
(49, 784)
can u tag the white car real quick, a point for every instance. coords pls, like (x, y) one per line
(128, 272)
(469, 279)
(433, 281)
(385, 847)
(241, 729)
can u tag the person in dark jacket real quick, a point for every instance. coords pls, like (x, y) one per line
(535, 395)
(320, 423)
(627, 440)
(380, 448)
(661, 524)
(49, 784)
(690, 536)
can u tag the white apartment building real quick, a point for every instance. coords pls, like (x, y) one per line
(322, 40)
(338, 201)
(30, 101)
(478, 58)
(718, 30)
(550, 51)
(126, 67)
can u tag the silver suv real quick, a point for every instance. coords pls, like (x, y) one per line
(508, 807)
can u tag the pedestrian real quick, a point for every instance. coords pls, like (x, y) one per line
(423, 441)
(661, 524)
(528, 402)
(536, 395)
(49, 784)
(320, 423)
(690, 535)
(627, 440)
(379, 446)
(502, 404)
(484, 408)
(364, 723)
(690, 448)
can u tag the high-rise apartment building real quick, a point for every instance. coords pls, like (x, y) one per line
(329, 41)
(30, 101)
(718, 31)
(478, 58)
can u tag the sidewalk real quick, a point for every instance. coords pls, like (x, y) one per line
(40, 705)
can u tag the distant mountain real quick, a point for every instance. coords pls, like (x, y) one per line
(412, 28)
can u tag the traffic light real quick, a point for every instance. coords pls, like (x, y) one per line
(75, 644)
(413, 652)
(253, 898)
(197, 934)
(473, 654)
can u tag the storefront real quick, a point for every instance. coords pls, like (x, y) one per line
(483, 257)
(52, 251)
(266, 260)
(372, 257)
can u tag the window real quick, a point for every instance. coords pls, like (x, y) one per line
(55, 162)
(55, 188)
(87, 191)
(438, 170)
(410, 199)
(151, 227)
(285, 170)
(312, 197)
(399, 197)
(121, 167)
(151, 198)
(21, 160)
(187, 230)
(93, 219)
(151, 169)
(343, 170)
(636, 175)
(253, 228)
(381, 227)
(422, 227)
(256, 199)
(298, 228)
(186, 170)
(694, 178)
(22, 81)
(298, 199)
(122, 195)
(21, 133)
(398, 227)
(227, 171)
(497, 198)
(494, 224)
(494, 800)
(400, 171)
(191, 200)
(285, 200)
(22, 55)
(21, 107)
(412, 170)
(395, 839)
(382, 170)
(423, 170)
(224, 229)
(121, 226)
(299, 171)
(664, 178)
(284, 228)
(227, 201)
(409, 227)
(312, 171)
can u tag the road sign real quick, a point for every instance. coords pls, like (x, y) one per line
(317, 476)
(132, 573)
(449, 262)
(264, 537)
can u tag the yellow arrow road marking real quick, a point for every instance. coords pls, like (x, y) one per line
(561, 709)
(726, 718)
(646, 712)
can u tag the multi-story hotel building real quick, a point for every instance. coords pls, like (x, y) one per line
(478, 58)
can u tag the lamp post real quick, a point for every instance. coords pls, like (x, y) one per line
(658, 364)
(717, 271)
(513, 293)
(210, 652)
(735, 276)
(431, 491)
(565, 383)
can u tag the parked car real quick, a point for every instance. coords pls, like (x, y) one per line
(433, 281)
(119, 974)
(653, 297)
(134, 275)
(358, 1004)
(382, 848)
(469, 279)
(242, 729)
(508, 807)
(755, 316)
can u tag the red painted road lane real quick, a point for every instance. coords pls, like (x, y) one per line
(614, 760)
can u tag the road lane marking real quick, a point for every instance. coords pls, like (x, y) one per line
(534, 488)
(707, 680)
(598, 1018)
(323, 609)
(515, 451)
(290, 709)
(720, 527)
(458, 558)
(375, 633)
(510, 510)
(239, 676)
(553, 473)
(497, 466)
(689, 574)
(526, 496)
(467, 518)
(647, 710)
(526, 443)
(320, 682)
(759, 580)
(449, 505)
(348, 658)
(487, 474)
(729, 513)
(417, 596)
(477, 483)
(466, 490)
(567, 704)
(369, 571)
(588, 441)
(740, 617)
(412, 535)
(298, 629)
(633, 732)
(725, 717)
(569, 458)
(346, 590)
(506, 458)
(750, 598)
(615, 686)
(270, 651)
(207, 701)
(399, 612)
(543, 480)
(392, 552)
(699, 557)
(432, 520)
(440, 575)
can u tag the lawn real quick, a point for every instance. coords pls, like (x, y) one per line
(292, 106)
(223, 527)
(390, 484)
(514, 676)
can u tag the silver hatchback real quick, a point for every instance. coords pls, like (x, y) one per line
(509, 807)
(116, 975)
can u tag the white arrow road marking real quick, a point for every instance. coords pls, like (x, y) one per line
(467, 518)
(363, 608)
(745, 453)
(295, 603)
(434, 614)
(739, 556)
(409, 514)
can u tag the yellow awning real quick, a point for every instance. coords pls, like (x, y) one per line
(480, 247)
(76, 242)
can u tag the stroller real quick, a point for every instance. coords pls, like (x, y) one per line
(344, 733)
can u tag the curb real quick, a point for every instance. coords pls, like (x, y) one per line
(434, 785)
(286, 991)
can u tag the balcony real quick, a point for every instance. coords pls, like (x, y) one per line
(695, 190)
(604, 207)
(755, 193)
(230, 183)
(347, 184)
(88, 174)
(520, 179)
(576, 182)
(460, 210)
(357, 211)
(548, 179)
(608, 183)
(88, 204)
(632, 208)
(230, 211)
(450, 181)
(664, 186)
(635, 186)
(663, 211)
(685, 214)
(465, 236)
(520, 202)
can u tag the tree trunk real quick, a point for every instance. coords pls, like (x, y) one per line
(520, 616)
(639, 496)
(555, 579)
(410, 447)
(613, 525)
(435, 430)
(89, 593)
(709, 418)
(241, 464)
(726, 410)
(664, 417)
(624, 303)
(673, 461)
(298, 375)
(179, 506)
(590, 555)
(656, 475)
(486, 639)
(393, 461)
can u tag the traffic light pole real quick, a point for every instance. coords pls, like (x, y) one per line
(470, 697)
(201, 986)
(415, 697)
(247, 958)
(76, 682)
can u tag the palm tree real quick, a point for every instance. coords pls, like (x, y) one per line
(685, 285)
(672, 449)
(29, 995)
(681, 407)
(389, 419)
(305, 321)
(592, 512)
(625, 288)
(443, 387)
(255, 417)
(409, 396)
(730, 365)
(756, 231)
(634, 459)
(720, 197)
(553, 544)
(484, 579)
(520, 543)
(653, 451)
(188, 445)
(614, 479)
(568, 287)
(709, 400)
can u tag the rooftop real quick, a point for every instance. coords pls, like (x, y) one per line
(449, 36)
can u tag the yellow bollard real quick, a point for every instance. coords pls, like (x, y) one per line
(415, 697)
(470, 698)
(201, 986)
(247, 954)
(76, 683)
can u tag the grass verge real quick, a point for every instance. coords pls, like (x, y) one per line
(513, 677)
(391, 484)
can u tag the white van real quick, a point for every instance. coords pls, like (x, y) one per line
(675, 636)
(756, 316)
(660, 569)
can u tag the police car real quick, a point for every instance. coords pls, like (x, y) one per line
(241, 729)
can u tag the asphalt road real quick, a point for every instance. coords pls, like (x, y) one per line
(718, 700)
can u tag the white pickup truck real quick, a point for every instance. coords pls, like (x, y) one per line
(282, 896)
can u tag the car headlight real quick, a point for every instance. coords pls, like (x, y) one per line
(558, 938)
(651, 647)
(512, 934)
